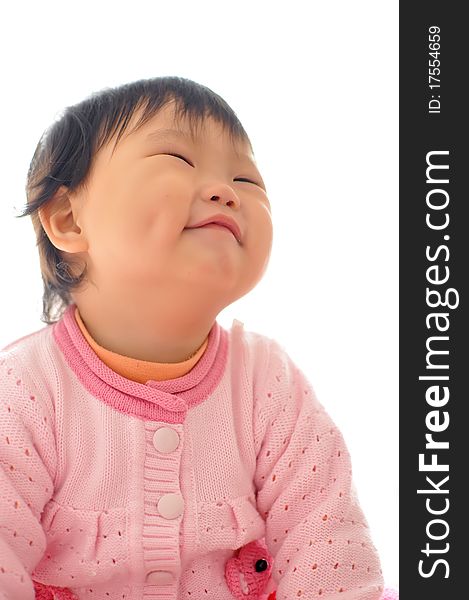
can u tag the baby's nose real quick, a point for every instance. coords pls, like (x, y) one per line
(224, 194)
(228, 202)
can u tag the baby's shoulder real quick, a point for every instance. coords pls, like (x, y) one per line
(263, 353)
(26, 345)
(26, 361)
(252, 344)
(28, 384)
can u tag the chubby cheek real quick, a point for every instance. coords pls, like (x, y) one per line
(260, 233)
(163, 207)
(148, 217)
(258, 244)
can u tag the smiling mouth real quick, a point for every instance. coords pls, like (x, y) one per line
(215, 226)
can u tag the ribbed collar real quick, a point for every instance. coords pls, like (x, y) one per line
(166, 400)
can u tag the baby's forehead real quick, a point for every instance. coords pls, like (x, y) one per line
(171, 123)
(202, 132)
(167, 126)
(203, 137)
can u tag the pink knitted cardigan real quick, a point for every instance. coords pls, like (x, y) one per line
(228, 482)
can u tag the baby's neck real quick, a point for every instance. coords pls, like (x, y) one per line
(151, 340)
(136, 370)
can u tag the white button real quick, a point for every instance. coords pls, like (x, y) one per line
(160, 578)
(166, 440)
(170, 506)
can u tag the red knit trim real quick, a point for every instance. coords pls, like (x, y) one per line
(51, 592)
(243, 581)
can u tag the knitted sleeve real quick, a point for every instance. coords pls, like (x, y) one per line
(27, 467)
(315, 528)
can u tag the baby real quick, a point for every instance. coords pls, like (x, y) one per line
(146, 452)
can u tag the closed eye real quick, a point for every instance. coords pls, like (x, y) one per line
(242, 179)
(246, 180)
(181, 157)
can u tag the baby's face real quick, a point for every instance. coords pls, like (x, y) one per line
(141, 202)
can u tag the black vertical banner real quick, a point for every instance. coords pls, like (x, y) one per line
(434, 272)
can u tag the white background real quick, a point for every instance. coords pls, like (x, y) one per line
(315, 85)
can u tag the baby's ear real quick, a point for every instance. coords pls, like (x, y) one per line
(59, 219)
